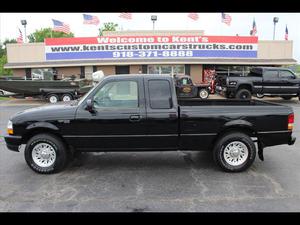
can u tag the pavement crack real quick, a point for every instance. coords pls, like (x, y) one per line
(276, 186)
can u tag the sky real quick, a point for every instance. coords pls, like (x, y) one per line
(209, 22)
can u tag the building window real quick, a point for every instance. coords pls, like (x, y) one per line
(166, 69)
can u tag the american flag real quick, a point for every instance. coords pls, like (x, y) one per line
(89, 19)
(254, 30)
(60, 26)
(286, 36)
(127, 16)
(193, 16)
(20, 37)
(226, 18)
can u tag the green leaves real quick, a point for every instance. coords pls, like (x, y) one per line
(40, 35)
(110, 26)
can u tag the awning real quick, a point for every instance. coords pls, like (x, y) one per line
(99, 62)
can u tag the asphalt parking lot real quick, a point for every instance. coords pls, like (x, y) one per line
(151, 182)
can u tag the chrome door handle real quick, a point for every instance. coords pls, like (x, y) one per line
(135, 118)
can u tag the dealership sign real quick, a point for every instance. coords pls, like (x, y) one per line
(142, 47)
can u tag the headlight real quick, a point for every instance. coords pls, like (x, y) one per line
(232, 83)
(10, 129)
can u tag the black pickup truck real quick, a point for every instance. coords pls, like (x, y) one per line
(142, 113)
(261, 81)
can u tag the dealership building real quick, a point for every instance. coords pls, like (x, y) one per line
(163, 51)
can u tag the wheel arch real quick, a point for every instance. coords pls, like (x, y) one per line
(240, 126)
(244, 86)
(47, 129)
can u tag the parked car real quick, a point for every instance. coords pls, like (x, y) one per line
(261, 81)
(186, 88)
(142, 113)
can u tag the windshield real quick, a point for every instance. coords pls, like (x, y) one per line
(90, 91)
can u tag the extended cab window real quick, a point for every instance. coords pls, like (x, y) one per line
(270, 74)
(286, 74)
(160, 94)
(118, 94)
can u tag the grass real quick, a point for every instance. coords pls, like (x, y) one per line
(4, 98)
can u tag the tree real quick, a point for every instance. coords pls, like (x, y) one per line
(40, 35)
(110, 26)
(3, 57)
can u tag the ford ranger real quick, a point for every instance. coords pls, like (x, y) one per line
(142, 113)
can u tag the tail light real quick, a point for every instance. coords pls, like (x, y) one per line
(291, 121)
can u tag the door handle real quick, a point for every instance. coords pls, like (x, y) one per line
(135, 118)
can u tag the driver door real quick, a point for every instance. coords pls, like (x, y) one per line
(119, 119)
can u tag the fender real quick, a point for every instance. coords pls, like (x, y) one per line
(238, 123)
(42, 125)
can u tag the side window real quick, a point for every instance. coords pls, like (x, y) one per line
(286, 74)
(160, 94)
(271, 74)
(117, 94)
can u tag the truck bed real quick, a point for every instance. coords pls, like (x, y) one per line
(223, 102)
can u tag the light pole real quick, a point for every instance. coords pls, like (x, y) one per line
(153, 18)
(275, 20)
(24, 23)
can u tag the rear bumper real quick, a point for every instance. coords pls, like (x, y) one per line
(272, 138)
(292, 140)
(13, 142)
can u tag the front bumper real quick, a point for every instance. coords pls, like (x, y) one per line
(13, 142)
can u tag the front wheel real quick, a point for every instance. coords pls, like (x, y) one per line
(234, 152)
(258, 95)
(243, 94)
(46, 154)
(203, 93)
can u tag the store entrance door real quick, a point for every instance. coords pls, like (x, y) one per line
(122, 70)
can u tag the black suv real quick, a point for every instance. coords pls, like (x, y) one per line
(261, 81)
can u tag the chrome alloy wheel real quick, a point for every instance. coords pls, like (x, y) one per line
(43, 155)
(66, 98)
(53, 99)
(236, 153)
(203, 94)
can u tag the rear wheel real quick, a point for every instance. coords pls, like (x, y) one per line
(67, 97)
(53, 98)
(234, 152)
(203, 93)
(46, 154)
(243, 94)
(286, 97)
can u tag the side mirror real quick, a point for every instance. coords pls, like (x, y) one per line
(90, 105)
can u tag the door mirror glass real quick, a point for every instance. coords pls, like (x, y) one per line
(90, 105)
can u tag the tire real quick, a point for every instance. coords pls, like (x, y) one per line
(203, 93)
(260, 95)
(53, 98)
(67, 98)
(1, 93)
(224, 147)
(243, 94)
(57, 154)
(286, 97)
